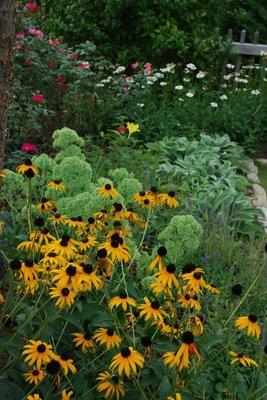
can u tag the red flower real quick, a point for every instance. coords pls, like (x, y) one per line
(59, 78)
(38, 98)
(74, 56)
(121, 129)
(29, 147)
(36, 32)
(28, 63)
(31, 6)
(54, 42)
(64, 87)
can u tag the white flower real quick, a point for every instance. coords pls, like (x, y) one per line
(214, 105)
(190, 94)
(223, 97)
(230, 66)
(186, 79)
(224, 85)
(179, 87)
(241, 80)
(163, 83)
(168, 68)
(159, 75)
(200, 74)
(255, 92)
(120, 69)
(140, 104)
(100, 85)
(180, 99)
(227, 77)
(191, 66)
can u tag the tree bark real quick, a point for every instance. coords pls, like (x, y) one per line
(7, 38)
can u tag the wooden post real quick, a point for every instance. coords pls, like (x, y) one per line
(7, 37)
(241, 40)
(255, 41)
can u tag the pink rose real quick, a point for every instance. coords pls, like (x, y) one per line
(135, 65)
(36, 32)
(31, 6)
(54, 42)
(148, 68)
(121, 129)
(20, 36)
(38, 98)
(74, 56)
(29, 147)
(20, 47)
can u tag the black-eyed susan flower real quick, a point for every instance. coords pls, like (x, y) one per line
(2, 298)
(211, 288)
(180, 359)
(127, 361)
(111, 384)
(45, 205)
(139, 197)
(27, 169)
(88, 278)
(243, 360)
(37, 352)
(52, 260)
(122, 300)
(116, 248)
(64, 247)
(35, 376)
(57, 219)
(107, 337)
(42, 236)
(56, 185)
(104, 264)
(34, 396)
(197, 330)
(29, 270)
(195, 279)
(86, 243)
(188, 348)
(237, 289)
(158, 287)
(66, 363)
(170, 199)
(151, 310)
(29, 245)
(166, 276)
(76, 222)
(250, 323)
(108, 191)
(64, 295)
(53, 367)
(190, 301)
(65, 395)
(84, 340)
(159, 259)
(132, 216)
(68, 276)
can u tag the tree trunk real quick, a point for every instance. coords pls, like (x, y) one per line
(7, 37)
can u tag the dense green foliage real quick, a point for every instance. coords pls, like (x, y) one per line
(161, 30)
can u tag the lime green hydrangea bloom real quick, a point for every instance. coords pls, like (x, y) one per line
(65, 137)
(181, 237)
(118, 174)
(84, 204)
(76, 174)
(14, 187)
(128, 186)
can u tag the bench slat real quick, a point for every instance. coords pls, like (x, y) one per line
(249, 49)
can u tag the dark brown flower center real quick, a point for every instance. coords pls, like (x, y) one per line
(155, 304)
(35, 372)
(110, 332)
(41, 348)
(123, 295)
(65, 292)
(252, 318)
(108, 186)
(170, 268)
(71, 270)
(125, 352)
(188, 337)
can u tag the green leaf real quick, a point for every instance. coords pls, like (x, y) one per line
(165, 388)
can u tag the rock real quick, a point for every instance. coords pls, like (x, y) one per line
(252, 167)
(263, 161)
(260, 195)
(252, 177)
